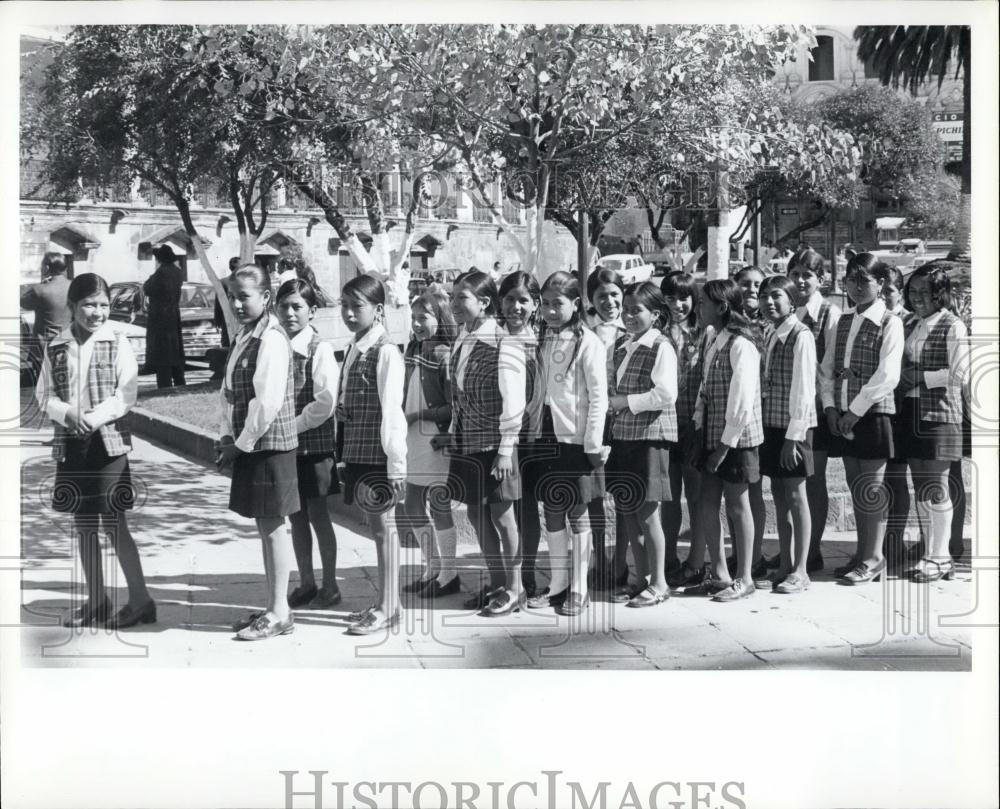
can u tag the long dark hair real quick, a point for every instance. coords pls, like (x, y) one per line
(519, 280)
(725, 291)
(435, 301)
(567, 285)
(482, 286)
(367, 288)
(938, 284)
(679, 284)
(297, 286)
(649, 295)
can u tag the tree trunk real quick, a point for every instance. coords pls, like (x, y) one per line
(248, 246)
(803, 227)
(232, 324)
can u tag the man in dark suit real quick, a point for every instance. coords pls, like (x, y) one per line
(48, 301)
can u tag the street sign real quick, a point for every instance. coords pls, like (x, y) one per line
(789, 211)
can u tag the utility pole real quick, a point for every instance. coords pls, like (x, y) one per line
(583, 238)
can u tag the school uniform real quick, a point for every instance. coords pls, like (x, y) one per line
(427, 387)
(532, 458)
(689, 346)
(931, 420)
(728, 410)
(99, 379)
(317, 378)
(488, 400)
(575, 405)
(258, 408)
(643, 435)
(821, 317)
(371, 422)
(788, 397)
(898, 428)
(859, 374)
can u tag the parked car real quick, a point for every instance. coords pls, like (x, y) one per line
(632, 269)
(420, 280)
(197, 307)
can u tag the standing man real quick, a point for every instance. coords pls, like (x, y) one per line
(48, 301)
(164, 346)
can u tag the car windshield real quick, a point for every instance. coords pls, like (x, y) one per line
(195, 298)
(612, 264)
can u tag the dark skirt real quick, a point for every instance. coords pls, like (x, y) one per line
(739, 465)
(927, 440)
(317, 476)
(89, 481)
(569, 479)
(872, 439)
(823, 439)
(687, 449)
(471, 480)
(265, 484)
(770, 455)
(367, 486)
(534, 459)
(639, 472)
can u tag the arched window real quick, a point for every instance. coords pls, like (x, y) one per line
(821, 66)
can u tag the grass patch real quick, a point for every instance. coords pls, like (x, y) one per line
(197, 405)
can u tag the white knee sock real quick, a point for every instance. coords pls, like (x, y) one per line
(558, 542)
(447, 539)
(581, 561)
(924, 520)
(940, 531)
(426, 540)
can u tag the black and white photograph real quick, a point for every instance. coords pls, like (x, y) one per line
(599, 356)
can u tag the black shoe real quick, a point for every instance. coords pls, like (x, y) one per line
(814, 562)
(774, 562)
(671, 567)
(546, 599)
(759, 573)
(88, 616)
(574, 605)
(417, 585)
(480, 599)
(127, 616)
(437, 590)
(687, 576)
(843, 570)
(301, 596)
(622, 580)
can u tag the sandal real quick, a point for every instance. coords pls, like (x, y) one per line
(243, 623)
(924, 574)
(792, 583)
(359, 615)
(648, 597)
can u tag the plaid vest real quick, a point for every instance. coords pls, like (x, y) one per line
(650, 425)
(477, 404)
(321, 440)
(531, 371)
(937, 404)
(281, 435)
(715, 393)
(362, 408)
(818, 328)
(776, 377)
(101, 383)
(690, 350)
(864, 360)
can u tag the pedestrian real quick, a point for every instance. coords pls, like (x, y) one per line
(218, 318)
(259, 441)
(689, 340)
(729, 418)
(788, 404)
(605, 293)
(575, 395)
(857, 378)
(48, 301)
(805, 269)
(488, 389)
(519, 301)
(88, 383)
(427, 404)
(935, 368)
(164, 344)
(372, 428)
(644, 429)
(317, 378)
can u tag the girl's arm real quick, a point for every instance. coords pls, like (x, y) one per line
(512, 381)
(270, 379)
(326, 382)
(957, 371)
(442, 414)
(802, 397)
(827, 383)
(886, 377)
(54, 407)
(663, 394)
(123, 399)
(390, 373)
(744, 389)
(593, 361)
(830, 332)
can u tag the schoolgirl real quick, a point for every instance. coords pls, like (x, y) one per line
(427, 403)
(788, 405)
(259, 441)
(644, 429)
(317, 378)
(488, 399)
(729, 417)
(606, 292)
(935, 367)
(519, 300)
(88, 382)
(857, 378)
(806, 271)
(688, 338)
(575, 402)
(749, 280)
(372, 439)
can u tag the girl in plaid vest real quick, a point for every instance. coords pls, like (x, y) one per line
(317, 377)
(519, 299)
(645, 427)
(87, 384)
(606, 292)
(729, 418)
(488, 390)
(259, 441)
(689, 340)
(427, 403)
(575, 402)
(788, 400)
(806, 271)
(935, 368)
(857, 378)
(372, 428)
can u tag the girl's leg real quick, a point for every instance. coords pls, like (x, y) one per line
(783, 516)
(648, 517)
(759, 516)
(692, 489)
(386, 538)
(930, 486)
(797, 502)
(302, 546)
(740, 514)
(116, 527)
(526, 510)
(504, 523)
(819, 506)
(956, 485)
(711, 499)
(558, 541)
(899, 511)
(866, 478)
(622, 543)
(278, 564)
(447, 537)
(419, 523)
(670, 513)
(319, 518)
(579, 523)
(489, 543)
(87, 530)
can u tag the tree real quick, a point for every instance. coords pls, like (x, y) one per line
(914, 55)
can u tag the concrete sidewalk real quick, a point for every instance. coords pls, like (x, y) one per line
(203, 565)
